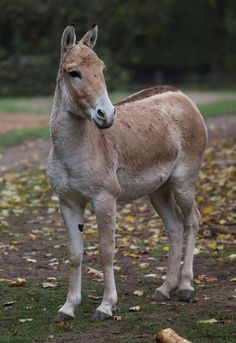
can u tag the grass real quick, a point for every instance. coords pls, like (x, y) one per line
(219, 108)
(40, 105)
(40, 305)
(15, 137)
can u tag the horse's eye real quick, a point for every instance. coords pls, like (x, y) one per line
(75, 73)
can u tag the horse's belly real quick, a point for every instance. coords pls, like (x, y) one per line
(134, 185)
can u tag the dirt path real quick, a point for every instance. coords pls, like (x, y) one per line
(12, 121)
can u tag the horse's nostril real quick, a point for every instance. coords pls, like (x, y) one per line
(101, 114)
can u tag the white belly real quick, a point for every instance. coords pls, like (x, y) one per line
(137, 184)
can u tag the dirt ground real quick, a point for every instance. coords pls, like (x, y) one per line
(31, 155)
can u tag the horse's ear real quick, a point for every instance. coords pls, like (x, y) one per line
(68, 37)
(90, 37)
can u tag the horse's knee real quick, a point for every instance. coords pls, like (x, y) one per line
(75, 258)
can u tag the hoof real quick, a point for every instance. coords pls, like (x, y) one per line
(186, 295)
(62, 317)
(158, 296)
(101, 316)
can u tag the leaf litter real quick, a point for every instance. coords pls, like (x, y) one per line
(139, 230)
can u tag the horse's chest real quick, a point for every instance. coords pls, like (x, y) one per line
(69, 179)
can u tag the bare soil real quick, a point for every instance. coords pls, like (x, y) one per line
(12, 121)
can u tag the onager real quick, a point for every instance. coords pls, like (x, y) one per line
(152, 145)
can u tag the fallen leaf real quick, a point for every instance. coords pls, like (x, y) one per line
(212, 245)
(18, 283)
(8, 303)
(117, 268)
(165, 248)
(138, 293)
(95, 272)
(199, 279)
(49, 285)
(94, 296)
(51, 278)
(5, 280)
(135, 308)
(144, 265)
(25, 320)
(233, 279)
(63, 325)
(170, 336)
(32, 260)
(117, 318)
(208, 321)
(130, 218)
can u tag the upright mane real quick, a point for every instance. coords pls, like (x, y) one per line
(146, 93)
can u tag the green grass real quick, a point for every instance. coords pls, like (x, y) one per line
(15, 137)
(41, 304)
(40, 105)
(219, 108)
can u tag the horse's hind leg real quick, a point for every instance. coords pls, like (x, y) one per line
(163, 202)
(184, 192)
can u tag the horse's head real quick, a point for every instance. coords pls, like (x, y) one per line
(83, 87)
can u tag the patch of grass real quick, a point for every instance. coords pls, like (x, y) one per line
(41, 304)
(40, 105)
(14, 137)
(219, 108)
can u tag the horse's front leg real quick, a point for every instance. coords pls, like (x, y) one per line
(73, 215)
(105, 208)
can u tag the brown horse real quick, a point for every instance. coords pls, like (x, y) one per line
(154, 147)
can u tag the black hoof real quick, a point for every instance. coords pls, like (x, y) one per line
(62, 317)
(186, 295)
(101, 316)
(158, 296)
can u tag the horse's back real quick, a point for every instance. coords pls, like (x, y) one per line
(162, 118)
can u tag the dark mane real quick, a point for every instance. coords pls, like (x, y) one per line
(147, 93)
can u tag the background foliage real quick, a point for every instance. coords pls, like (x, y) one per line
(141, 41)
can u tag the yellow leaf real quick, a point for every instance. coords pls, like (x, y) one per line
(233, 279)
(130, 218)
(165, 248)
(209, 209)
(212, 245)
(208, 321)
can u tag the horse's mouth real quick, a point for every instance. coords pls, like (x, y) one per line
(100, 126)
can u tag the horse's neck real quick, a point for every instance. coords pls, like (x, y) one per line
(71, 134)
